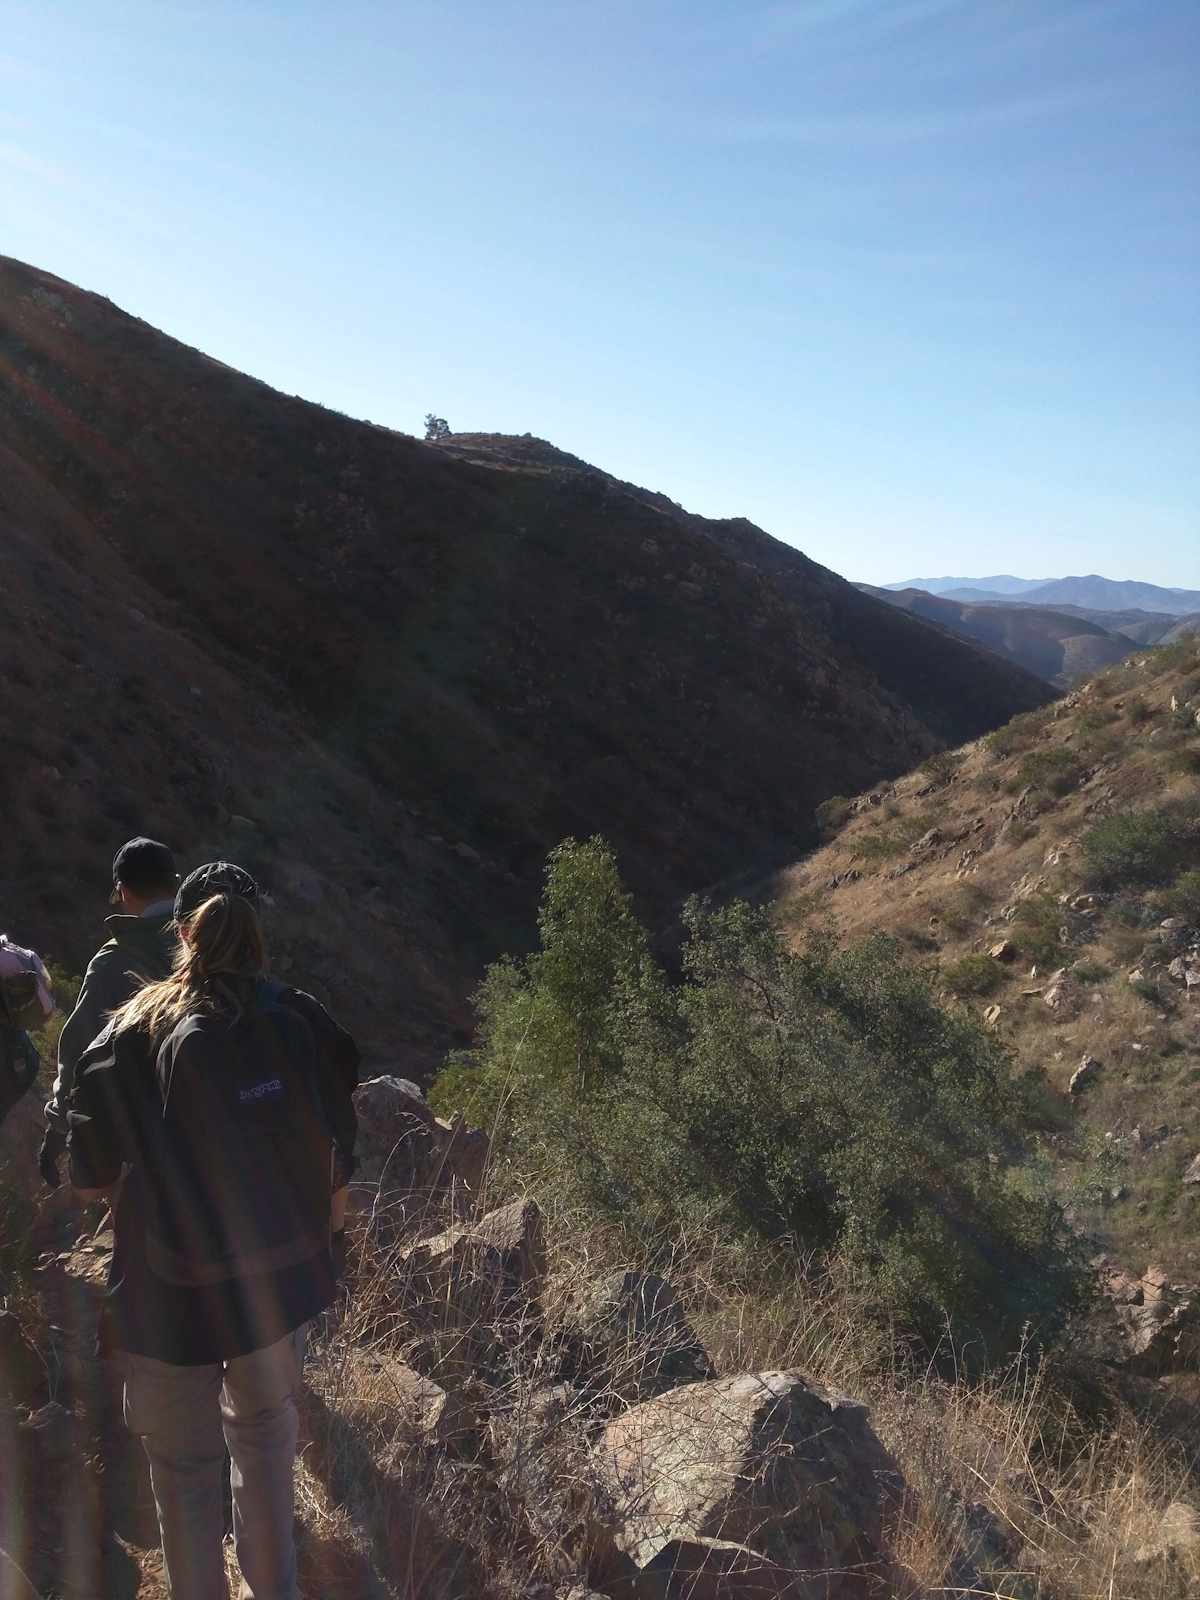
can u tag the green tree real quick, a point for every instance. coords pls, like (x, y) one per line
(821, 1097)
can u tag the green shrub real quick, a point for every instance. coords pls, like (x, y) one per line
(1016, 735)
(1183, 901)
(1136, 710)
(1091, 971)
(1041, 929)
(1020, 830)
(1135, 846)
(1182, 656)
(1055, 771)
(975, 974)
(878, 846)
(891, 841)
(832, 815)
(66, 988)
(942, 765)
(824, 1098)
(1094, 720)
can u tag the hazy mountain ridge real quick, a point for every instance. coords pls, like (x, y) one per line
(1093, 592)
(392, 678)
(1001, 583)
(1057, 646)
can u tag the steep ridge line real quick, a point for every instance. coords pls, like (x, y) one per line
(390, 679)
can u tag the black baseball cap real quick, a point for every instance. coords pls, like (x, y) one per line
(144, 865)
(214, 877)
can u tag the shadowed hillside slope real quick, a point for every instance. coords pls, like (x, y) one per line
(388, 677)
(949, 683)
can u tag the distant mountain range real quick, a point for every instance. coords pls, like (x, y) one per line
(1092, 593)
(1060, 643)
(1002, 583)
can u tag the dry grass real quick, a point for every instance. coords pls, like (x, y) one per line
(1031, 1483)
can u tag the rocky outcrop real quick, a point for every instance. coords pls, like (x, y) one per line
(764, 1484)
(471, 1292)
(1084, 1076)
(1147, 1324)
(632, 1340)
(512, 1238)
(404, 1149)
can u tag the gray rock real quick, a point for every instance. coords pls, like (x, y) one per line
(1178, 1533)
(513, 1235)
(1084, 1075)
(764, 1484)
(926, 841)
(634, 1340)
(403, 1148)
(1147, 1325)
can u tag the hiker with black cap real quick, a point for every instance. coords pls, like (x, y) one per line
(139, 950)
(337, 1056)
(200, 1115)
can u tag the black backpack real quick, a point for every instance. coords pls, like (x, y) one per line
(20, 1001)
(240, 1182)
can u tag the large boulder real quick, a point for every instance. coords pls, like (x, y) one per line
(766, 1484)
(403, 1148)
(631, 1339)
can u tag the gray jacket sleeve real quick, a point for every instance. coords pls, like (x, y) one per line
(105, 987)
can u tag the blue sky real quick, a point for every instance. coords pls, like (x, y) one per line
(914, 284)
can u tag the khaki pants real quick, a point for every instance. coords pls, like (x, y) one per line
(186, 1417)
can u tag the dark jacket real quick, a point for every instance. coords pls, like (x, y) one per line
(112, 1125)
(140, 949)
(338, 1060)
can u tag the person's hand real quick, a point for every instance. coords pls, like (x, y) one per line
(53, 1146)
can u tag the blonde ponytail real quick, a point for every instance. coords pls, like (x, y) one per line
(213, 967)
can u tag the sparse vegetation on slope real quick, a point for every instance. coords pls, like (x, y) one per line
(1059, 899)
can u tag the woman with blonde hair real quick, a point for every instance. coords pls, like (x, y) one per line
(201, 1113)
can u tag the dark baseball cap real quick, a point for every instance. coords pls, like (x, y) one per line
(214, 877)
(143, 864)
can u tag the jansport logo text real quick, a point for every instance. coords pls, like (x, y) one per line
(270, 1089)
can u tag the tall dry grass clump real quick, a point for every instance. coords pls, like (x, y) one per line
(452, 1424)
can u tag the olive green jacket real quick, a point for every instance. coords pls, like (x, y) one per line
(139, 950)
